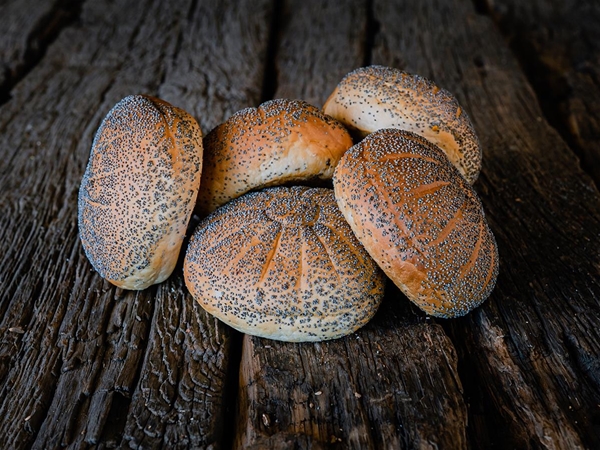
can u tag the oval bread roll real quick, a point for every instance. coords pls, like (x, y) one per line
(279, 142)
(420, 220)
(283, 264)
(139, 190)
(376, 97)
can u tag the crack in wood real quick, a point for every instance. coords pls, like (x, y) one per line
(43, 23)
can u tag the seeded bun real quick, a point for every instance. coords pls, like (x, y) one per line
(139, 190)
(375, 97)
(283, 264)
(279, 142)
(419, 220)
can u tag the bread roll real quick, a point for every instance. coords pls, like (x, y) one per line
(377, 97)
(139, 190)
(283, 264)
(279, 142)
(419, 219)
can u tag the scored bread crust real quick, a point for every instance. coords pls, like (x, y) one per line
(377, 97)
(279, 142)
(139, 190)
(419, 220)
(283, 264)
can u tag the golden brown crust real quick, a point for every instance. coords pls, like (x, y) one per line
(283, 264)
(376, 97)
(139, 190)
(419, 220)
(279, 142)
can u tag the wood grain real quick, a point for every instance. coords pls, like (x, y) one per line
(219, 65)
(86, 365)
(28, 27)
(318, 43)
(528, 343)
(558, 45)
(89, 364)
(393, 384)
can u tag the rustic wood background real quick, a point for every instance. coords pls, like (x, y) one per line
(83, 364)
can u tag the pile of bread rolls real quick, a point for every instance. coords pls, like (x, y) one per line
(276, 254)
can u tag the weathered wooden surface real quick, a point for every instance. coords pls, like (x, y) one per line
(394, 384)
(28, 27)
(533, 348)
(558, 44)
(84, 364)
(80, 361)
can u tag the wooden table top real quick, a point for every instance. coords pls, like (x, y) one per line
(84, 364)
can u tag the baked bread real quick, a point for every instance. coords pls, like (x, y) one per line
(279, 142)
(139, 190)
(376, 97)
(282, 263)
(419, 220)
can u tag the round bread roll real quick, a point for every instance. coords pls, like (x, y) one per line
(420, 220)
(279, 142)
(283, 264)
(376, 97)
(139, 191)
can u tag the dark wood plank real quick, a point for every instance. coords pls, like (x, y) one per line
(221, 59)
(558, 44)
(28, 27)
(186, 393)
(182, 398)
(394, 383)
(318, 43)
(86, 363)
(534, 345)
